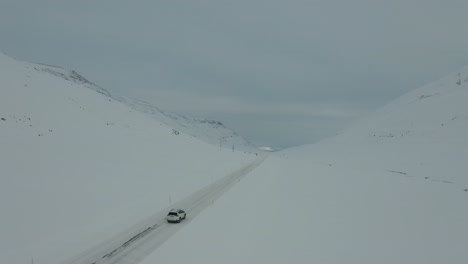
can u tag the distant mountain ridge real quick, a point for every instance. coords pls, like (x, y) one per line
(210, 131)
(72, 76)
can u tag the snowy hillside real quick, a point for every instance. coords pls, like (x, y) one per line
(391, 189)
(79, 169)
(77, 166)
(210, 131)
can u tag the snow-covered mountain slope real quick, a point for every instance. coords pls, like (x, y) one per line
(77, 166)
(423, 132)
(391, 189)
(210, 131)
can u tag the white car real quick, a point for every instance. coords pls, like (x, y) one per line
(176, 215)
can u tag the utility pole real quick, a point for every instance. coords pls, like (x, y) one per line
(221, 141)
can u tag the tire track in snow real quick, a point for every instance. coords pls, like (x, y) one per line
(134, 244)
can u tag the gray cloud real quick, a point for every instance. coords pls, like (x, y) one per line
(305, 63)
(204, 105)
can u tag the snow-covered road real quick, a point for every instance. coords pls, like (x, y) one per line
(134, 244)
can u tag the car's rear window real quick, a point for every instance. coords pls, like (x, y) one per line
(172, 213)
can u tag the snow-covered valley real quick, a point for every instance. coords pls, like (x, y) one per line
(78, 167)
(390, 189)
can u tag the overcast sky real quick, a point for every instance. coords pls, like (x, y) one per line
(279, 72)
